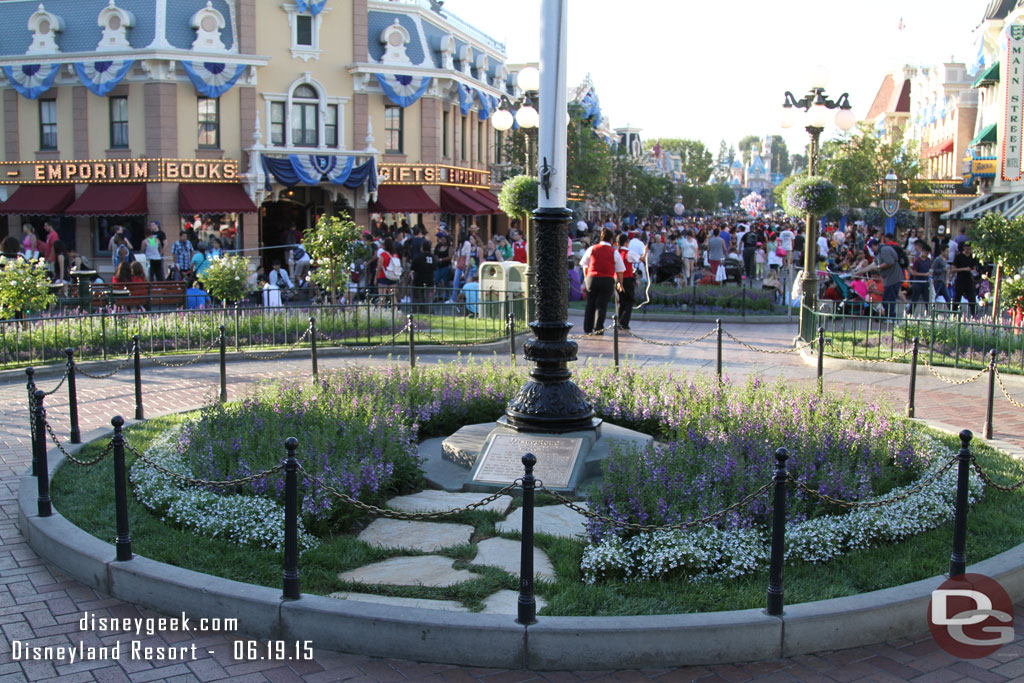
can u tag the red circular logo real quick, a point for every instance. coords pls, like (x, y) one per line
(971, 616)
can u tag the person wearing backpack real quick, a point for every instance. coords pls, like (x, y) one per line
(389, 267)
(890, 265)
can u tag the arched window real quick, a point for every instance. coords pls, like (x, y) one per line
(304, 116)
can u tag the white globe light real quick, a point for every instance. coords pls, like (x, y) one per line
(528, 79)
(502, 120)
(818, 116)
(845, 119)
(819, 77)
(679, 208)
(788, 117)
(527, 117)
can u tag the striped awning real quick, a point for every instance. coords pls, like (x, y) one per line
(958, 213)
(1009, 204)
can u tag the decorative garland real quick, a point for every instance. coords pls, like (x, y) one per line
(213, 79)
(103, 76)
(403, 90)
(32, 80)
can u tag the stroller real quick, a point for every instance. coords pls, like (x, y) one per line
(850, 303)
(669, 266)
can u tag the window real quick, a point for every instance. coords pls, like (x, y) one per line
(498, 144)
(481, 147)
(463, 143)
(392, 129)
(118, 122)
(47, 124)
(277, 123)
(331, 126)
(209, 123)
(305, 125)
(445, 123)
(304, 30)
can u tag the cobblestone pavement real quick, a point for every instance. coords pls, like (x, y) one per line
(41, 606)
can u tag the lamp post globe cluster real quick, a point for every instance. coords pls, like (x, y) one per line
(526, 114)
(814, 110)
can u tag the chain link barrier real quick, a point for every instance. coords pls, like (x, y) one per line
(983, 475)
(887, 359)
(113, 372)
(82, 463)
(595, 333)
(745, 345)
(630, 333)
(398, 514)
(59, 384)
(460, 345)
(633, 526)
(955, 381)
(370, 347)
(194, 359)
(1011, 399)
(282, 354)
(922, 483)
(195, 481)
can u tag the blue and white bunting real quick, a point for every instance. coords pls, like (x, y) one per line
(213, 79)
(403, 90)
(487, 104)
(103, 76)
(314, 7)
(310, 168)
(465, 99)
(31, 80)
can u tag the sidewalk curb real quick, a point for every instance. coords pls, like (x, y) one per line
(554, 643)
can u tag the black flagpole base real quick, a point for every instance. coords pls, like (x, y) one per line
(550, 402)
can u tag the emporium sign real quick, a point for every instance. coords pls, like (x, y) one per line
(433, 174)
(119, 171)
(1012, 127)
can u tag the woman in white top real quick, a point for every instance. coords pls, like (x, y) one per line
(688, 250)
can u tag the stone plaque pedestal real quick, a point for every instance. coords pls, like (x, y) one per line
(487, 457)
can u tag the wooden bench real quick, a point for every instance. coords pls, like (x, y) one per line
(140, 294)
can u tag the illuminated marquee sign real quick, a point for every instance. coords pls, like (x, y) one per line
(433, 174)
(929, 204)
(1012, 125)
(119, 171)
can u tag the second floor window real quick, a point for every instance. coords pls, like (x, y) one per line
(393, 129)
(304, 30)
(118, 122)
(464, 139)
(47, 124)
(445, 123)
(331, 126)
(277, 123)
(481, 148)
(209, 123)
(304, 117)
(498, 143)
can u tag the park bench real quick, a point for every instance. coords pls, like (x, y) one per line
(140, 294)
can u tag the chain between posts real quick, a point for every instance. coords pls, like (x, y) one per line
(923, 483)
(955, 381)
(983, 475)
(83, 463)
(371, 347)
(280, 354)
(398, 514)
(59, 384)
(636, 336)
(463, 345)
(595, 333)
(194, 481)
(887, 359)
(633, 526)
(194, 359)
(119, 368)
(999, 378)
(745, 345)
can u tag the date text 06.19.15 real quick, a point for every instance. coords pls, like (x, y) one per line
(279, 650)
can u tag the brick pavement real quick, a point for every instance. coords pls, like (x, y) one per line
(41, 606)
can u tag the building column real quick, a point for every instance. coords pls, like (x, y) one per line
(161, 105)
(360, 31)
(430, 130)
(360, 121)
(11, 147)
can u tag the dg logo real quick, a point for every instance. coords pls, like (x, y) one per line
(971, 616)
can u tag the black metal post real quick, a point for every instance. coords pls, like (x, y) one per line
(139, 415)
(412, 342)
(527, 607)
(223, 366)
(312, 346)
(238, 344)
(511, 324)
(549, 401)
(291, 521)
(775, 590)
(615, 340)
(43, 476)
(991, 393)
(124, 539)
(30, 385)
(718, 362)
(911, 408)
(958, 560)
(821, 358)
(76, 433)
(103, 330)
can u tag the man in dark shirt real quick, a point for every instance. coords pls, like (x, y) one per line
(965, 267)
(423, 269)
(442, 260)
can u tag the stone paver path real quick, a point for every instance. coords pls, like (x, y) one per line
(40, 605)
(418, 570)
(554, 520)
(505, 554)
(423, 536)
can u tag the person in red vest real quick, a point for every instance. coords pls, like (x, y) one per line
(627, 293)
(518, 246)
(603, 267)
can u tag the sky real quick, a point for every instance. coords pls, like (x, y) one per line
(718, 70)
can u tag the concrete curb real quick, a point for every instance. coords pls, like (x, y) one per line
(554, 643)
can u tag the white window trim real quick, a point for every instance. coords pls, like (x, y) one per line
(322, 103)
(304, 52)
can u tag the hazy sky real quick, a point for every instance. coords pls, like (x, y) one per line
(713, 70)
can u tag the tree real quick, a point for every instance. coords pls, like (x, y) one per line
(589, 160)
(859, 160)
(747, 145)
(723, 162)
(24, 286)
(697, 162)
(1000, 241)
(334, 245)
(797, 163)
(780, 156)
(227, 278)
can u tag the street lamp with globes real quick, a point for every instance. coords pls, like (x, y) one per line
(817, 108)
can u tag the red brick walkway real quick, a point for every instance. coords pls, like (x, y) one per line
(41, 607)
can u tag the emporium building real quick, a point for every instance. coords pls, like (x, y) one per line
(255, 117)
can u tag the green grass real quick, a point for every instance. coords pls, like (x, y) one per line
(86, 498)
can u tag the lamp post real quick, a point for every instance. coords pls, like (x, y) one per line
(550, 401)
(526, 115)
(817, 106)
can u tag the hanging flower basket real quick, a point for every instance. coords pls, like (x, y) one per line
(812, 195)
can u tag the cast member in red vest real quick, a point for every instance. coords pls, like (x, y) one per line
(603, 267)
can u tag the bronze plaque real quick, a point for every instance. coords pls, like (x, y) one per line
(502, 462)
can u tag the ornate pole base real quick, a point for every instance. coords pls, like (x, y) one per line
(550, 402)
